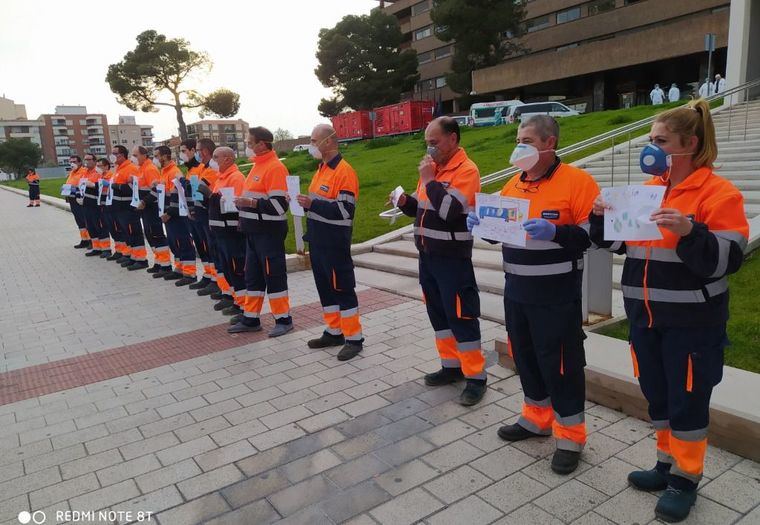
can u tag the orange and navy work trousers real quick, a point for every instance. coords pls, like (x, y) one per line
(546, 342)
(230, 264)
(181, 245)
(333, 271)
(266, 273)
(77, 210)
(129, 224)
(154, 234)
(97, 228)
(199, 229)
(453, 305)
(677, 370)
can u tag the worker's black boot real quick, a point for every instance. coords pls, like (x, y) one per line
(445, 376)
(473, 392)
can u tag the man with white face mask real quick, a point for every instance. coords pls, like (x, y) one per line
(542, 292)
(76, 209)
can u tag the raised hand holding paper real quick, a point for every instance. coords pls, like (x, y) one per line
(397, 193)
(194, 185)
(294, 188)
(135, 193)
(501, 218)
(228, 200)
(627, 219)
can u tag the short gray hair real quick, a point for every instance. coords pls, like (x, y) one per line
(544, 125)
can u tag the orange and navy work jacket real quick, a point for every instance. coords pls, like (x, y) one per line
(334, 191)
(107, 176)
(122, 185)
(225, 223)
(73, 179)
(33, 179)
(682, 281)
(267, 183)
(169, 175)
(148, 177)
(441, 206)
(206, 179)
(550, 272)
(91, 192)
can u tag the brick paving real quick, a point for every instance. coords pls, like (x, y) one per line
(238, 430)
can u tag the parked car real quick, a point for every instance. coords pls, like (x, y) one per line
(463, 120)
(301, 147)
(553, 109)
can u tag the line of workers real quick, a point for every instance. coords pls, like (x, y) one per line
(675, 289)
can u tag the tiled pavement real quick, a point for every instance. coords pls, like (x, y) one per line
(250, 430)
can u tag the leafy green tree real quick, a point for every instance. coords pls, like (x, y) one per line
(483, 32)
(360, 60)
(18, 155)
(155, 74)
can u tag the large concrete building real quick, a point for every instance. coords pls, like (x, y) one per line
(230, 133)
(594, 54)
(71, 130)
(130, 134)
(21, 129)
(9, 110)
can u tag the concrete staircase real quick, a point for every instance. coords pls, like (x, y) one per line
(391, 263)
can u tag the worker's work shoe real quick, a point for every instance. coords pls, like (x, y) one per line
(172, 276)
(674, 505)
(93, 253)
(280, 329)
(445, 376)
(241, 327)
(105, 254)
(235, 319)
(185, 281)
(216, 296)
(516, 432)
(128, 263)
(350, 350)
(224, 303)
(473, 392)
(122, 259)
(208, 290)
(162, 273)
(565, 461)
(82, 244)
(326, 340)
(232, 310)
(115, 257)
(199, 285)
(154, 269)
(139, 265)
(649, 480)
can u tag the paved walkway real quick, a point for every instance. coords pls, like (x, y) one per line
(123, 394)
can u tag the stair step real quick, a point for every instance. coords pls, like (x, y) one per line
(489, 259)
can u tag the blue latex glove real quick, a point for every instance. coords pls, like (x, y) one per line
(106, 183)
(540, 229)
(472, 221)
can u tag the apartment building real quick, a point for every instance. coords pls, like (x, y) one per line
(232, 133)
(71, 130)
(130, 134)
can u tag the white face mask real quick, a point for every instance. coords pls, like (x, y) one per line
(74, 165)
(156, 162)
(112, 158)
(214, 165)
(100, 170)
(249, 152)
(524, 156)
(314, 152)
(134, 160)
(183, 157)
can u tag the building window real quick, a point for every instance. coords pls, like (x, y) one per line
(124, 141)
(568, 15)
(600, 6)
(421, 7)
(423, 33)
(442, 52)
(440, 82)
(424, 58)
(534, 24)
(426, 85)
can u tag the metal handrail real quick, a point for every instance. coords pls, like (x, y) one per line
(593, 141)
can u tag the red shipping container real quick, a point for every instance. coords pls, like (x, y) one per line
(355, 125)
(405, 117)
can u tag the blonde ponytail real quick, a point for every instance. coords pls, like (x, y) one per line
(694, 120)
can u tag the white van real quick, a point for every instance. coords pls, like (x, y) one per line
(491, 113)
(553, 109)
(301, 147)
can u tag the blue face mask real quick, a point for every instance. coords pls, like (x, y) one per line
(197, 156)
(432, 151)
(654, 161)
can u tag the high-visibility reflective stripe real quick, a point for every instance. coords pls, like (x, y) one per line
(569, 421)
(615, 246)
(586, 226)
(254, 195)
(724, 248)
(458, 195)
(533, 270)
(676, 296)
(732, 236)
(250, 315)
(214, 222)
(331, 309)
(277, 207)
(343, 211)
(317, 196)
(441, 235)
(266, 217)
(450, 363)
(566, 444)
(345, 197)
(426, 205)
(664, 457)
(444, 334)
(349, 313)
(445, 206)
(334, 222)
(660, 424)
(468, 346)
(278, 295)
(690, 435)
(254, 293)
(542, 403)
(530, 425)
(248, 215)
(655, 254)
(717, 287)
(232, 223)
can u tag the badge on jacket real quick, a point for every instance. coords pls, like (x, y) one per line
(550, 214)
(324, 188)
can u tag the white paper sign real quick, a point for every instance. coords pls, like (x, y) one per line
(66, 190)
(135, 192)
(631, 206)
(228, 200)
(100, 191)
(109, 197)
(294, 189)
(181, 197)
(396, 195)
(82, 187)
(501, 218)
(161, 193)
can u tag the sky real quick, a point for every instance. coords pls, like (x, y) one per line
(58, 53)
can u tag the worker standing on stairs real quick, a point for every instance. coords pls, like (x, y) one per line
(676, 297)
(542, 292)
(445, 194)
(330, 208)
